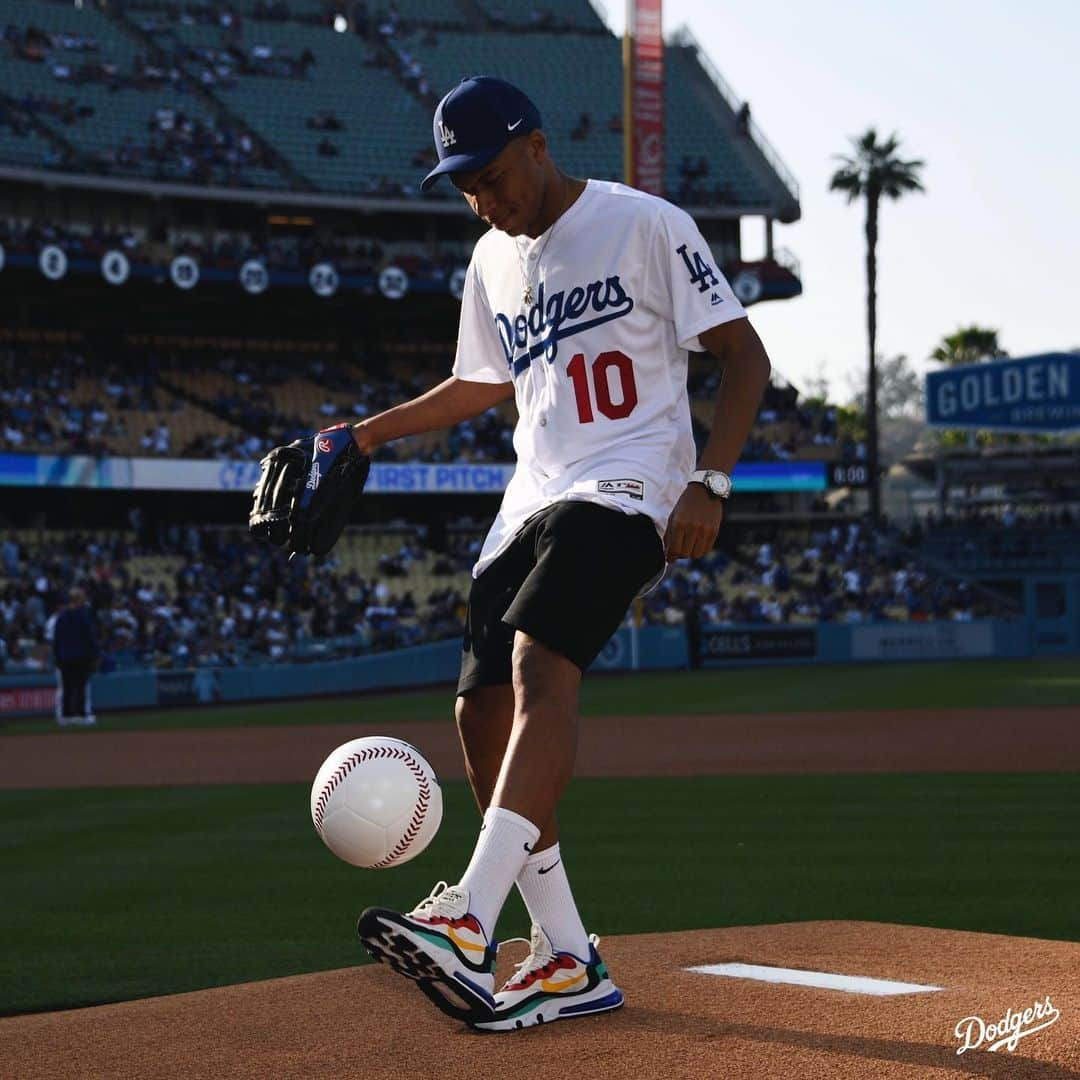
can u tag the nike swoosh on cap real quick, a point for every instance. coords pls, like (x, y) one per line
(510, 127)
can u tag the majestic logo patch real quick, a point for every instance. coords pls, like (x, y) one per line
(447, 135)
(715, 299)
(701, 273)
(313, 477)
(324, 446)
(557, 316)
(634, 488)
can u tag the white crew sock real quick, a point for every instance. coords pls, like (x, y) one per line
(545, 888)
(506, 841)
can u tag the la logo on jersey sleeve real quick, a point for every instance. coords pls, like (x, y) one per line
(701, 273)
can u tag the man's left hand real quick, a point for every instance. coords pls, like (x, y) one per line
(693, 525)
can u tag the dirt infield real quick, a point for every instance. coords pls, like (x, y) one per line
(943, 740)
(369, 1023)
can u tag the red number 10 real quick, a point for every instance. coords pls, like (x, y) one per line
(579, 376)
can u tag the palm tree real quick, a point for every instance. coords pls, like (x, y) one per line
(969, 345)
(874, 172)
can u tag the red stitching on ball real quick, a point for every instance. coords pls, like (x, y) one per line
(422, 801)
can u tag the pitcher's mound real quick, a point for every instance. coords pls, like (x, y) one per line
(367, 1022)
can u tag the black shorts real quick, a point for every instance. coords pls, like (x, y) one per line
(566, 580)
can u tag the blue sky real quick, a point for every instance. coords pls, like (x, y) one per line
(985, 92)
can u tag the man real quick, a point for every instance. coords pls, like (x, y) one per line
(75, 648)
(580, 303)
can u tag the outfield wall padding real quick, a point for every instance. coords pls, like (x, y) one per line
(649, 648)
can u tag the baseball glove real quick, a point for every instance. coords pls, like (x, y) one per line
(307, 490)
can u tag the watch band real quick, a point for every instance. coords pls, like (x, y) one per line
(707, 478)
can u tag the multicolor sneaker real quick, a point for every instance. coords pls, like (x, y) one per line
(549, 985)
(441, 947)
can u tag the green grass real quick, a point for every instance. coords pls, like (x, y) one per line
(819, 687)
(117, 894)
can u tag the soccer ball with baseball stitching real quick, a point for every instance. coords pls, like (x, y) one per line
(376, 802)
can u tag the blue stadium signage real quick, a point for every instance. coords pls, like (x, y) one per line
(1034, 393)
(386, 478)
(779, 476)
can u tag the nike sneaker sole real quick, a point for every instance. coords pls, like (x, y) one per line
(391, 939)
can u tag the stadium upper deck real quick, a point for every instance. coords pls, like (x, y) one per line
(258, 94)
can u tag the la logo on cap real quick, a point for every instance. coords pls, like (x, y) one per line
(447, 136)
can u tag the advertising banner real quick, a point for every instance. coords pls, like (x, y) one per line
(1032, 393)
(386, 478)
(779, 476)
(922, 641)
(647, 95)
(789, 643)
(174, 474)
(28, 699)
(188, 686)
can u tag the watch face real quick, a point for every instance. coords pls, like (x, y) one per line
(719, 484)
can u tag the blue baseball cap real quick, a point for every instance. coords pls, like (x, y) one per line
(476, 121)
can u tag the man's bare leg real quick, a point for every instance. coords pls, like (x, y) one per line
(540, 753)
(485, 719)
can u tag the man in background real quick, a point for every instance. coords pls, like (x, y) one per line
(75, 649)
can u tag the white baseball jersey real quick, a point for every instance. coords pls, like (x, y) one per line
(623, 283)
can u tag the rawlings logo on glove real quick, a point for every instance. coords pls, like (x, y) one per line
(307, 490)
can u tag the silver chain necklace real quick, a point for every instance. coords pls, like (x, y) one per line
(527, 290)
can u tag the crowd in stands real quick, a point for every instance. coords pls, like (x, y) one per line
(694, 187)
(40, 411)
(177, 146)
(181, 147)
(74, 400)
(226, 600)
(219, 151)
(239, 57)
(216, 65)
(410, 68)
(843, 573)
(90, 241)
(786, 427)
(59, 402)
(66, 110)
(995, 520)
(1000, 537)
(350, 394)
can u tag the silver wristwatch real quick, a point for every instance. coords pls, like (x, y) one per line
(716, 483)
